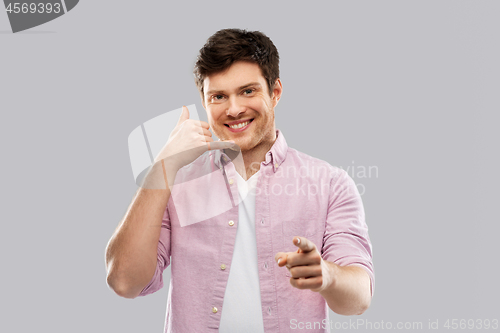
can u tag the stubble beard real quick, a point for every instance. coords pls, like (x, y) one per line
(262, 139)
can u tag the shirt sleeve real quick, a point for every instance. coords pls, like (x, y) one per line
(163, 257)
(346, 241)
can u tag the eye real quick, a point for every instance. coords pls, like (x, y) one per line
(248, 91)
(217, 98)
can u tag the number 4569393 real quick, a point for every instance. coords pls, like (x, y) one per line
(471, 324)
(33, 8)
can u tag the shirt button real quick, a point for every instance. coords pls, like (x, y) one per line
(231, 181)
(214, 309)
(276, 165)
(223, 267)
(231, 223)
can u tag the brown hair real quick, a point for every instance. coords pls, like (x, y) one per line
(228, 46)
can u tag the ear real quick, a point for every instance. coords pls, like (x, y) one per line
(277, 91)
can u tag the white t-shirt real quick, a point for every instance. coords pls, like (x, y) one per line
(242, 309)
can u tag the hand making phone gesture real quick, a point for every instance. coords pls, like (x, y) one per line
(189, 140)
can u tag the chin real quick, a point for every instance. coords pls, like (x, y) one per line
(241, 143)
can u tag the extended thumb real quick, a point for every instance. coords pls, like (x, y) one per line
(184, 114)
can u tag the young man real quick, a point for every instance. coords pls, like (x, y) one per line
(282, 235)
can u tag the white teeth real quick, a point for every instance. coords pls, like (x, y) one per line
(240, 125)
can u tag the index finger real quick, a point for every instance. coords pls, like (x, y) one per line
(204, 124)
(304, 244)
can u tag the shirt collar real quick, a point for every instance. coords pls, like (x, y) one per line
(274, 157)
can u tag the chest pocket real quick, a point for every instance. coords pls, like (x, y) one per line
(310, 229)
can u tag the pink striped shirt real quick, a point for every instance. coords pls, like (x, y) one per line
(296, 195)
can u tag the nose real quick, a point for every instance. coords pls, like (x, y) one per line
(235, 107)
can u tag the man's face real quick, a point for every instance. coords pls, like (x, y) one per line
(239, 107)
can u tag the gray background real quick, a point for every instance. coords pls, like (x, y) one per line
(410, 87)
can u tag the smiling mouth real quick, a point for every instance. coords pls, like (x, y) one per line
(239, 125)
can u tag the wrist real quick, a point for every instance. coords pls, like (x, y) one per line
(160, 175)
(329, 271)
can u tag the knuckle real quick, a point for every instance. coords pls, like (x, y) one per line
(289, 260)
(316, 256)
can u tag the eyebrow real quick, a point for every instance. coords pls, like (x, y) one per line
(251, 84)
